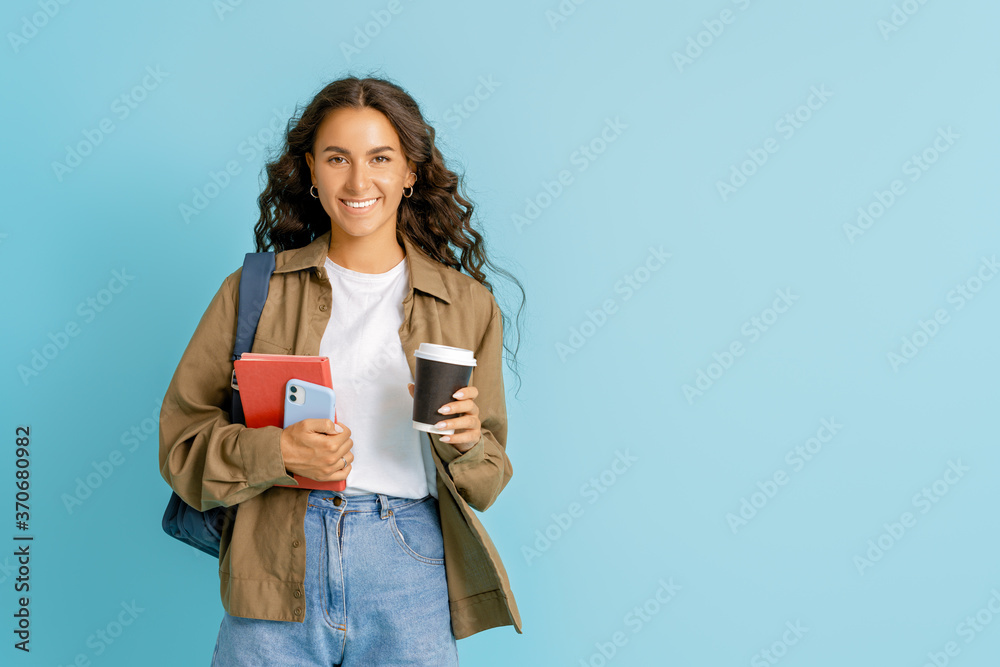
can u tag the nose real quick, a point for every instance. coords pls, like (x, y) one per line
(358, 178)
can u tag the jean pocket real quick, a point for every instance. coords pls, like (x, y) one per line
(417, 530)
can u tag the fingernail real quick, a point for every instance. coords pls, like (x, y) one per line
(457, 394)
(439, 425)
(337, 428)
(444, 409)
(445, 438)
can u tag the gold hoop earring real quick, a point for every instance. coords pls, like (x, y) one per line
(316, 196)
(410, 188)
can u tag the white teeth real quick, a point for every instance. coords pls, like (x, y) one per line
(362, 204)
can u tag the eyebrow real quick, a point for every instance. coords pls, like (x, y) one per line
(338, 149)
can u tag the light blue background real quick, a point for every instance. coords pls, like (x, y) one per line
(665, 516)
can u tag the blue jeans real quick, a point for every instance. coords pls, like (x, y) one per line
(375, 591)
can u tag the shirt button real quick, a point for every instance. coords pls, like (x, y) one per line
(295, 543)
(298, 594)
(322, 307)
(337, 501)
(296, 611)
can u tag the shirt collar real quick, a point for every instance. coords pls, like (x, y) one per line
(425, 272)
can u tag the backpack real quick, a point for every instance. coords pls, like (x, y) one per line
(203, 530)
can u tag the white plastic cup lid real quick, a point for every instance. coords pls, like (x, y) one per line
(446, 354)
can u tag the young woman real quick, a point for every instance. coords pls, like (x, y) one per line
(363, 215)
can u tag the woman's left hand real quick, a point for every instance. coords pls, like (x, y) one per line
(467, 426)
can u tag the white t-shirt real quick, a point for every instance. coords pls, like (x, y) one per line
(370, 374)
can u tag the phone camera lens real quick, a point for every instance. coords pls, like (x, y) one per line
(291, 398)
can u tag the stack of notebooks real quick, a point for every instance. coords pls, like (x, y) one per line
(262, 378)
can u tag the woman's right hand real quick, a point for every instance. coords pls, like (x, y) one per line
(314, 448)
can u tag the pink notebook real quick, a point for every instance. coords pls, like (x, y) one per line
(262, 378)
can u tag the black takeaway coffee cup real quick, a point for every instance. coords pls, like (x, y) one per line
(441, 371)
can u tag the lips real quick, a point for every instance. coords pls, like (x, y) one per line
(359, 204)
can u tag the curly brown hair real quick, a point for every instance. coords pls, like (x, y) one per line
(437, 217)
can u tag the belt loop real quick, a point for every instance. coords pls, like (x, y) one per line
(384, 504)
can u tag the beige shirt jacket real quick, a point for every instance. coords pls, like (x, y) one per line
(212, 462)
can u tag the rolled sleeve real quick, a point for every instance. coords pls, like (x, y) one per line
(205, 458)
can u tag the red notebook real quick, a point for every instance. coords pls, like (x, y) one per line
(261, 379)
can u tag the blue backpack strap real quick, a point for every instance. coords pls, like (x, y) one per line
(202, 529)
(254, 280)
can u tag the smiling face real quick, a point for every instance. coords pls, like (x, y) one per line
(359, 171)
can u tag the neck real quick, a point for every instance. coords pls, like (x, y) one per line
(365, 254)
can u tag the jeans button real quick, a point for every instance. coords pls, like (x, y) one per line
(337, 501)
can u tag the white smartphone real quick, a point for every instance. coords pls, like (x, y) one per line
(307, 400)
